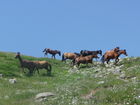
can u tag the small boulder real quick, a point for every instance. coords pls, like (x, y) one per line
(13, 81)
(1, 75)
(43, 96)
(101, 82)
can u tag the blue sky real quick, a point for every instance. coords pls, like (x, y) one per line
(29, 26)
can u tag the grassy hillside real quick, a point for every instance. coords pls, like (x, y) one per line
(93, 85)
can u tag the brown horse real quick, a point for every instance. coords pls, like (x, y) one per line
(43, 65)
(70, 56)
(52, 52)
(34, 65)
(113, 54)
(84, 60)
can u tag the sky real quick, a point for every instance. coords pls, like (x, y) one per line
(29, 26)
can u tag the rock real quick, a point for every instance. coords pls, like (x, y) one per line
(43, 96)
(6, 97)
(73, 70)
(91, 94)
(1, 75)
(122, 76)
(101, 82)
(117, 71)
(13, 81)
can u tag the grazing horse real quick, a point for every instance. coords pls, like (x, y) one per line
(52, 52)
(70, 56)
(84, 59)
(34, 65)
(86, 52)
(43, 65)
(113, 54)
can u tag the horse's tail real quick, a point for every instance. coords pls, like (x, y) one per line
(59, 53)
(63, 57)
(73, 61)
(102, 59)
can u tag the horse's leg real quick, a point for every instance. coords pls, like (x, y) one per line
(46, 55)
(78, 65)
(23, 70)
(107, 61)
(30, 71)
(48, 71)
(37, 70)
(116, 60)
(87, 64)
(73, 62)
(65, 60)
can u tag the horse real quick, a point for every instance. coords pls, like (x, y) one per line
(34, 65)
(26, 64)
(84, 59)
(52, 52)
(86, 52)
(43, 65)
(113, 54)
(70, 56)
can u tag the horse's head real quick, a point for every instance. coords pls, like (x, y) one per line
(18, 55)
(44, 50)
(100, 52)
(123, 52)
(81, 52)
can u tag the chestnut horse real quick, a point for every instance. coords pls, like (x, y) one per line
(84, 60)
(113, 54)
(52, 52)
(70, 56)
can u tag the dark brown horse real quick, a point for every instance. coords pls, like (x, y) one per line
(26, 64)
(113, 54)
(84, 60)
(52, 52)
(86, 52)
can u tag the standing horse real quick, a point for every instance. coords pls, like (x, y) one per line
(30, 65)
(113, 54)
(86, 52)
(52, 52)
(43, 65)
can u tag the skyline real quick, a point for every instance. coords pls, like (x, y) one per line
(29, 26)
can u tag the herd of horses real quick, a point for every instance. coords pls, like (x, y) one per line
(83, 57)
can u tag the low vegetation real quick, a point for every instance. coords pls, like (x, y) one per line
(93, 85)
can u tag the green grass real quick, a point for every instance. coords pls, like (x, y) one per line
(69, 87)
